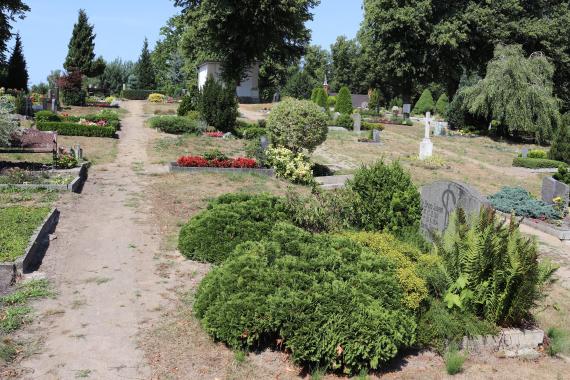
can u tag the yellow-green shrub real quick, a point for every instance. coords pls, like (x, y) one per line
(156, 98)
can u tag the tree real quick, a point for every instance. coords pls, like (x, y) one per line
(560, 149)
(71, 88)
(517, 92)
(145, 69)
(116, 74)
(425, 103)
(321, 98)
(299, 86)
(348, 66)
(17, 71)
(218, 105)
(53, 79)
(376, 99)
(442, 105)
(317, 64)
(344, 101)
(9, 11)
(241, 32)
(81, 53)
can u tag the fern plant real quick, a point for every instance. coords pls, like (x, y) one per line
(498, 269)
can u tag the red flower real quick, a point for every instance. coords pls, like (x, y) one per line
(214, 134)
(201, 162)
(242, 162)
(192, 162)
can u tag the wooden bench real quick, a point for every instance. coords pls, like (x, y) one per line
(33, 141)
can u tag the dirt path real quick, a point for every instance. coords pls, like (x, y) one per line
(102, 265)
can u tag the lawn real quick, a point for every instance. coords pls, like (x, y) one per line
(18, 224)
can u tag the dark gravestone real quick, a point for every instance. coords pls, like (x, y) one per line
(552, 188)
(441, 198)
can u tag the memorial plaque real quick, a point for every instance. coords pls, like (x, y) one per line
(441, 198)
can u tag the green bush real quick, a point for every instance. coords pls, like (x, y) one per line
(537, 153)
(73, 129)
(174, 124)
(425, 103)
(376, 100)
(297, 124)
(344, 121)
(249, 130)
(442, 105)
(213, 234)
(218, 105)
(371, 126)
(344, 101)
(331, 303)
(563, 175)
(137, 94)
(292, 166)
(73, 97)
(385, 198)
(46, 116)
(189, 102)
(321, 97)
(454, 362)
(521, 202)
(559, 341)
(331, 101)
(494, 270)
(560, 149)
(536, 163)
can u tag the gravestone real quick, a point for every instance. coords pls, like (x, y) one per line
(357, 119)
(552, 188)
(407, 110)
(426, 146)
(376, 136)
(264, 143)
(524, 152)
(440, 128)
(441, 198)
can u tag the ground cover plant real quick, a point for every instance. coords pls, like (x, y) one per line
(176, 124)
(521, 202)
(18, 224)
(220, 162)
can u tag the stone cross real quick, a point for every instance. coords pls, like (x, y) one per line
(426, 146)
(427, 125)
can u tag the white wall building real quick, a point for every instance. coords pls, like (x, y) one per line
(247, 90)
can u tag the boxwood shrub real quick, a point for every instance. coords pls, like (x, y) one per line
(536, 163)
(329, 301)
(174, 124)
(213, 234)
(73, 129)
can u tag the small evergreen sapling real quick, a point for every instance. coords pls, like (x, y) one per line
(344, 101)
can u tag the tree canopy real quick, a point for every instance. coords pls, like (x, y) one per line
(81, 53)
(10, 10)
(145, 69)
(17, 70)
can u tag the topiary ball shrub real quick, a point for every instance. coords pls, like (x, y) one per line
(521, 202)
(385, 198)
(213, 234)
(297, 124)
(328, 301)
(344, 101)
(425, 103)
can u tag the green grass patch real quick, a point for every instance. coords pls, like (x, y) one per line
(559, 341)
(454, 362)
(25, 292)
(17, 224)
(13, 317)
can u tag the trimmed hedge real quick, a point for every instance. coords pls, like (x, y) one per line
(536, 163)
(213, 234)
(137, 94)
(73, 129)
(371, 126)
(174, 124)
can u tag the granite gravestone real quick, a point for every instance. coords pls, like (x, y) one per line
(552, 188)
(357, 119)
(376, 136)
(524, 152)
(441, 198)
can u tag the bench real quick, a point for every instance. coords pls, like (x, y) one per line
(33, 141)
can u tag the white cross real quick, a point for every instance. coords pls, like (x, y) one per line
(427, 125)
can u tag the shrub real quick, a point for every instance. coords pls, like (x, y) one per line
(136, 94)
(344, 101)
(321, 97)
(376, 100)
(71, 88)
(218, 105)
(494, 270)
(454, 362)
(295, 167)
(563, 175)
(331, 101)
(65, 161)
(536, 163)
(253, 149)
(442, 105)
(213, 234)
(560, 149)
(73, 129)
(521, 202)
(425, 103)
(46, 116)
(174, 124)
(371, 126)
(344, 121)
(297, 124)
(156, 98)
(559, 341)
(385, 198)
(190, 102)
(7, 124)
(328, 301)
(537, 153)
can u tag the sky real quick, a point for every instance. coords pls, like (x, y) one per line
(122, 25)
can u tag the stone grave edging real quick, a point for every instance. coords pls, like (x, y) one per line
(175, 168)
(73, 186)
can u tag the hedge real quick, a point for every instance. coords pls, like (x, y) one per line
(72, 129)
(536, 163)
(174, 124)
(371, 126)
(137, 94)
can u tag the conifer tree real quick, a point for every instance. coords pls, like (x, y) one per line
(17, 70)
(425, 103)
(344, 101)
(145, 70)
(81, 54)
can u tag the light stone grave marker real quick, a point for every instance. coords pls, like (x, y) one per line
(524, 152)
(552, 188)
(357, 119)
(376, 136)
(426, 146)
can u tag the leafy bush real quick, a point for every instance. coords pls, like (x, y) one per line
(156, 98)
(376, 100)
(190, 102)
(321, 97)
(560, 149)
(249, 131)
(454, 362)
(174, 124)
(136, 94)
(46, 116)
(344, 101)
(559, 341)
(442, 105)
(424, 104)
(297, 124)
(537, 153)
(385, 198)
(65, 161)
(536, 163)
(563, 175)
(73, 129)
(371, 126)
(521, 202)
(328, 301)
(331, 101)
(253, 149)
(494, 270)
(344, 121)
(7, 125)
(295, 167)
(213, 234)
(218, 105)
(71, 89)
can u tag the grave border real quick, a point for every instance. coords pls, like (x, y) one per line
(173, 167)
(74, 186)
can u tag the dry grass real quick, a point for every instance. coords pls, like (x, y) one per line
(160, 108)
(170, 147)
(82, 111)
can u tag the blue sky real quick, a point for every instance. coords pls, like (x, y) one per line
(121, 26)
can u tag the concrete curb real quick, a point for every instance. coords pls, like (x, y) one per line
(174, 168)
(75, 185)
(33, 254)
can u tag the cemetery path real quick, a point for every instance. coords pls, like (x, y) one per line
(102, 265)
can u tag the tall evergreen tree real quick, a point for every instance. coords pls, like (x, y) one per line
(17, 71)
(81, 54)
(9, 11)
(145, 69)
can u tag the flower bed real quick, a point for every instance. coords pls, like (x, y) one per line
(201, 162)
(214, 134)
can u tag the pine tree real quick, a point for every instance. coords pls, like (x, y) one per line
(344, 101)
(81, 54)
(17, 70)
(145, 70)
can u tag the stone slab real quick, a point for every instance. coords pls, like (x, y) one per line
(333, 182)
(552, 188)
(516, 341)
(174, 168)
